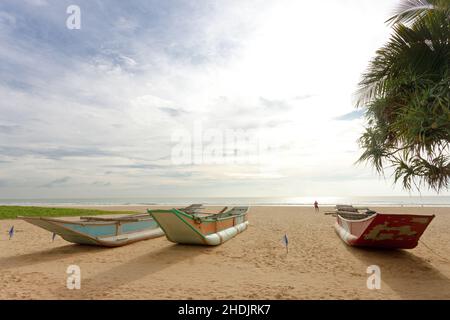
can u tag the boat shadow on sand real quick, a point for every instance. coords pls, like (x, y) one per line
(409, 275)
(47, 255)
(138, 268)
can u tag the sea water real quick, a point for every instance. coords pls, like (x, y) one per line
(411, 201)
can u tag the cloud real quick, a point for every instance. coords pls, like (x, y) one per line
(172, 111)
(101, 183)
(174, 174)
(9, 129)
(37, 3)
(274, 104)
(55, 153)
(7, 20)
(56, 183)
(136, 166)
(106, 99)
(354, 115)
(304, 97)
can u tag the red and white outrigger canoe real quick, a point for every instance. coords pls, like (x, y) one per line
(396, 231)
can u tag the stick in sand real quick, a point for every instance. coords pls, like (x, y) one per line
(11, 232)
(286, 243)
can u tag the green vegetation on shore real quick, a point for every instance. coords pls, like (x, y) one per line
(11, 212)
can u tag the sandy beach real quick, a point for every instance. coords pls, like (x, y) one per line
(254, 265)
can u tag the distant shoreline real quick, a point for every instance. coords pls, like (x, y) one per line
(105, 206)
(306, 201)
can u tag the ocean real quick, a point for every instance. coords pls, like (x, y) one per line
(412, 201)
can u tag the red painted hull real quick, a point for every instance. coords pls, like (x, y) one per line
(400, 231)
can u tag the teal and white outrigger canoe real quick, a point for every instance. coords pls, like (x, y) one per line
(193, 226)
(101, 231)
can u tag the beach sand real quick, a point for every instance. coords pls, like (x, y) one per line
(253, 265)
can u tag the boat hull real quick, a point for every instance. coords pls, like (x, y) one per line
(107, 233)
(183, 228)
(395, 231)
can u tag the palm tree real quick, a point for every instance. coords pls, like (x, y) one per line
(406, 92)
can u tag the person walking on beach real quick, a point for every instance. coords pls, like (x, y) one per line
(316, 206)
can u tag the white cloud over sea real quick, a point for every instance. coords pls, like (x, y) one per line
(92, 112)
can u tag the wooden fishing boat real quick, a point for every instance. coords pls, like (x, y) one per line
(198, 227)
(101, 231)
(382, 230)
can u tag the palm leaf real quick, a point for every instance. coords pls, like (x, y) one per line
(406, 93)
(410, 10)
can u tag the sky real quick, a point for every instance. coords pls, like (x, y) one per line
(186, 98)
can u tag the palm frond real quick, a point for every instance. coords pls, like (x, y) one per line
(406, 93)
(410, 10)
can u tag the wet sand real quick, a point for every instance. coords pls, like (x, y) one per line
(253, 265)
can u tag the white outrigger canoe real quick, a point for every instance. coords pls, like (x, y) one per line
(196, 227)
(101, 231)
